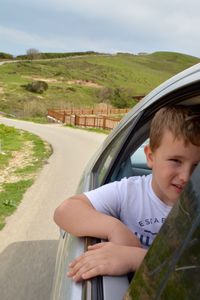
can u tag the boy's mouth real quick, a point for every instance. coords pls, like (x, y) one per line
(178, 187)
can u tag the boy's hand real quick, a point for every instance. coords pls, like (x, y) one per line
(106, 259)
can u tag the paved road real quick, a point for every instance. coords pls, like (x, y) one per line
(28, 243)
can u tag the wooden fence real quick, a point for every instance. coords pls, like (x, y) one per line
(92, 111)
(86, 120)
(104, 122)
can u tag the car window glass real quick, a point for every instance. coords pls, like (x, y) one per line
(138, 157)
(171, 269)
(134, 164)
(103, 166)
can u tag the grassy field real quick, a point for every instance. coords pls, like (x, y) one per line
(85, 81)
(22, 155)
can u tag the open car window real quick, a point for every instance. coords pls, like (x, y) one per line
(134, 165)
(108, 159)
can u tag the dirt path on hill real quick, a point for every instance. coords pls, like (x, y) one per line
(28, 242)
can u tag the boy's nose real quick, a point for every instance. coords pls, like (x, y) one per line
(185, 174)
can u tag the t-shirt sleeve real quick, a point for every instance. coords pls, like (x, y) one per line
(108, 198)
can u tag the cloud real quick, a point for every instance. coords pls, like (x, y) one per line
(25, 40)
(22, 37)
(103, 25)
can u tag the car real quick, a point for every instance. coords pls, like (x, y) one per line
(171, 268)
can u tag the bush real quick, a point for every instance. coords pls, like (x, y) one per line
(105, 94)
(123, 98)
(5, 55)
(37, 86)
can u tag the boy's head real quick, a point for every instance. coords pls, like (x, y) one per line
(181, 121)
(174, 150)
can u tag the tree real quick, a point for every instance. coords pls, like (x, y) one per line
(33, 53)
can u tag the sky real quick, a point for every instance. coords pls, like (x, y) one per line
(107, 26)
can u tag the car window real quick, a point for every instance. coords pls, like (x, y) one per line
(109, 156)
(134, 164)
(171, 269)
(138, 157)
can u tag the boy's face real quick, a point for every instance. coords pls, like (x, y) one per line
(172, 164)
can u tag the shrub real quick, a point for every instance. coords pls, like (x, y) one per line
(37, 86)
(123, 98)
(5, 55)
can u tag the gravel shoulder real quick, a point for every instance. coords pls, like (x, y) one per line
(29, 240)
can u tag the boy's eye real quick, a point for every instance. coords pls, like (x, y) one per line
(174, 160)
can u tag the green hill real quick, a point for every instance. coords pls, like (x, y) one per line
(83, 81)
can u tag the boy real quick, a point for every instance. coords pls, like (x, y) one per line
(129, 213)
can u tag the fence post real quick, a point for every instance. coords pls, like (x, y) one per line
(75, 119)
(63, 117)
(104, 122)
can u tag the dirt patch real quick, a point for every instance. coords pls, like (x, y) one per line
(76, 81)
(85, 83)
(20, 160)
(41, 78)
(1, 90)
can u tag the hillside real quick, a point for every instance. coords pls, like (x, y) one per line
(85, 81)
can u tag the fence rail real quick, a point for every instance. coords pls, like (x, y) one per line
(92, 111)
(80, 118)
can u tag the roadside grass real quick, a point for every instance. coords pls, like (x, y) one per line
(10, 140)
(97, 130)
(19, 175)
(10, 198)
(40, 120)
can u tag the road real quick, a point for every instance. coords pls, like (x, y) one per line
(28, 242)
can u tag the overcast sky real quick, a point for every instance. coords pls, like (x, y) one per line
(100, 25)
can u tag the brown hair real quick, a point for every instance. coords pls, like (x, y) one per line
(181, 121)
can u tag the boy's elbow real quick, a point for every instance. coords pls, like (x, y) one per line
(60, 214)
(57, 215)
(65, 215)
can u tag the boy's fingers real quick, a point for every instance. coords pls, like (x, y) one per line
(81, 268)
(76, 260)
(82, 263)
(93, 272)
(89, 264)
(86, 254)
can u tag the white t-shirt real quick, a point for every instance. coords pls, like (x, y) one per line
(133, 201)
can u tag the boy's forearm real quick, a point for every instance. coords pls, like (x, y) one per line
(78, 217)
(138, 255)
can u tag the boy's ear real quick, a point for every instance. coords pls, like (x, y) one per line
(149, 155)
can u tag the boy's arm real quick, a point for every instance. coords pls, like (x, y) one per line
(106, 259)
(77, 216)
